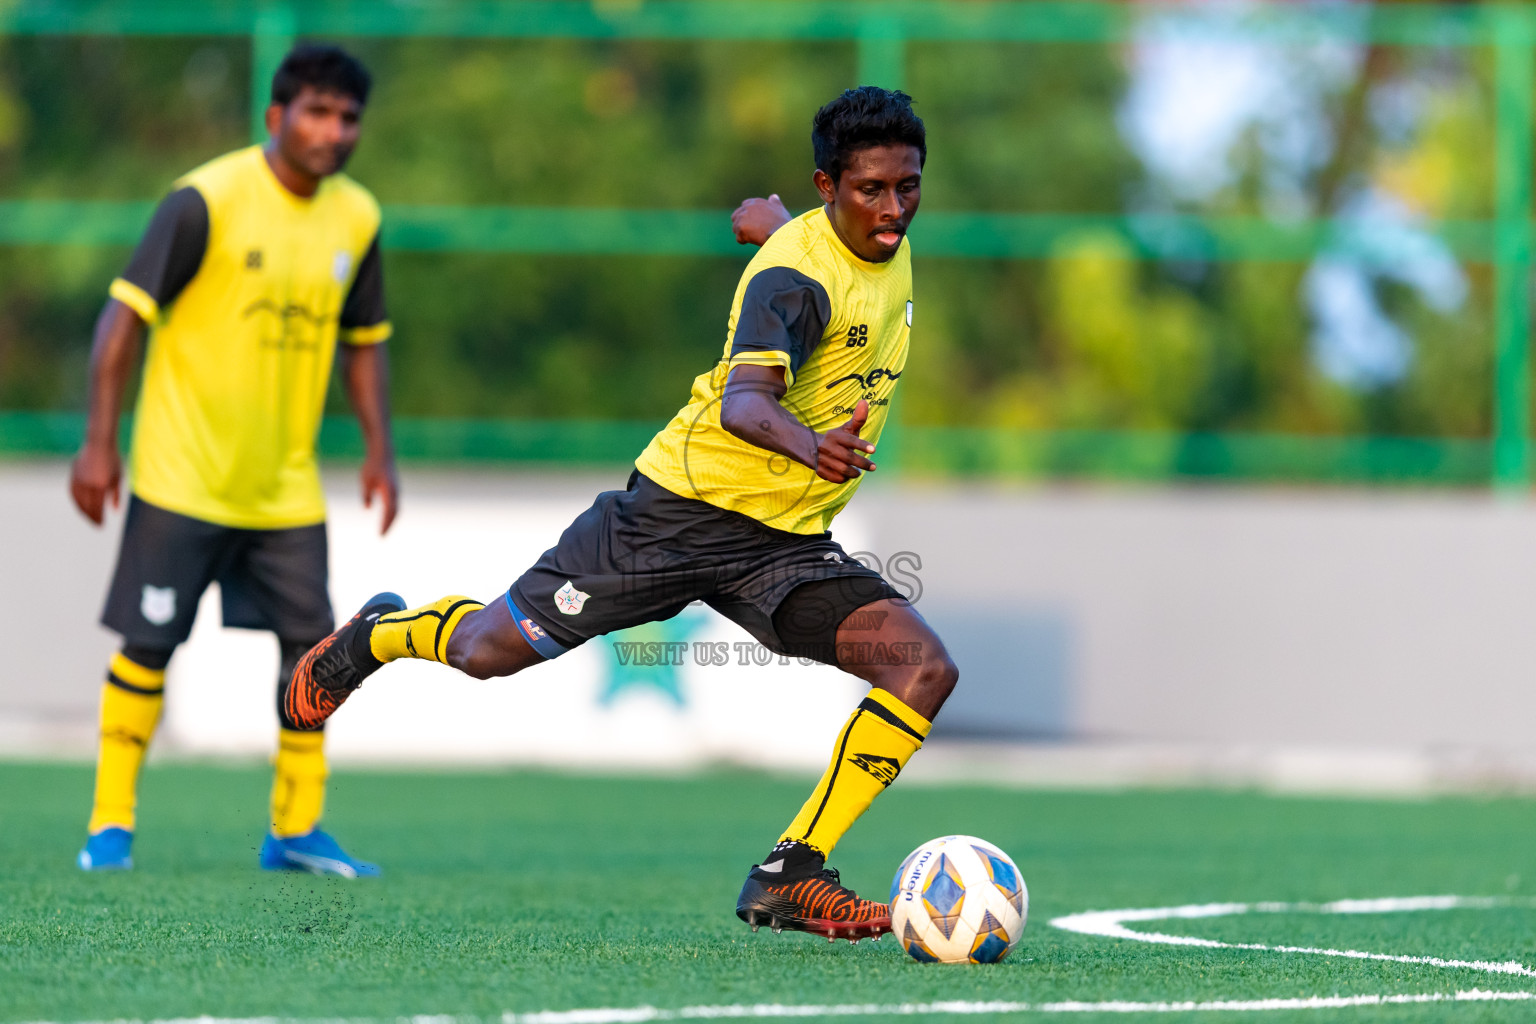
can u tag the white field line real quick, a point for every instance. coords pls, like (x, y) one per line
(763, 1011)
(639, 1015)
(1112, 924)
(1105, 923)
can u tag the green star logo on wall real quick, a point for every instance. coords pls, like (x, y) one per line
(632, 662)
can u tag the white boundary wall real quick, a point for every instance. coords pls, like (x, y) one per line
(1309, 637)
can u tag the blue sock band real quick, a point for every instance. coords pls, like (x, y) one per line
(534, 633)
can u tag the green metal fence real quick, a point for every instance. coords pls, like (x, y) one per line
(880, 32)
(951, 451)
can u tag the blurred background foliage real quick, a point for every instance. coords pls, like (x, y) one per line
(1090, 338)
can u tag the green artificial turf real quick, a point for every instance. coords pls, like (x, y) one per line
(528, 891)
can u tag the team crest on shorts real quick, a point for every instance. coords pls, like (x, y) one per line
(158, 605)
(570, 600)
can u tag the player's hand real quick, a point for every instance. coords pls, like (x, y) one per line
(379, 478)
(756, 219)
(838, 451)
(95, 477)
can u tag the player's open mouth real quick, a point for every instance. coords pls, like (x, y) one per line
(888, 237)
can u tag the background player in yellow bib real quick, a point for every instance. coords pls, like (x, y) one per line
(250, 272)
(731, 503)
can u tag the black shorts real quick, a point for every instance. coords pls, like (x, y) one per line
(645, 554)
(269, 579)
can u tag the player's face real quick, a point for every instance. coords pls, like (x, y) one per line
(319, 130)
(875, 199)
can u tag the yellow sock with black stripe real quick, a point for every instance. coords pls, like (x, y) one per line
(872, 748)
(298, 782)
(131, 700)
(420, 632)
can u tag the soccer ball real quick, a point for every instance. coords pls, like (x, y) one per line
(957, 900)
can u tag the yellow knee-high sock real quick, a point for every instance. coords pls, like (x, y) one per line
(131, 700)
(879, 739)
(298, 784)
(420, 632)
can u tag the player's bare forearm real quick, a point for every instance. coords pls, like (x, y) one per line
(114, 354)
(366, 372)
(96, 475)
(751, 410)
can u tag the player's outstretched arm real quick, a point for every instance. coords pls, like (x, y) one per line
(755, 220)
(366, 370)
(96, 475)
(751, 410)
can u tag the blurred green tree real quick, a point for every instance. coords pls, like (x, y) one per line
(1091, 336)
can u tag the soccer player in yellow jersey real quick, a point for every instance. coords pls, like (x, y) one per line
(731, 503)
(250, 272)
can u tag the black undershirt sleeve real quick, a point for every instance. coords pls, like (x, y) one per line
(365, 302)
(172, 247)
(783, 310)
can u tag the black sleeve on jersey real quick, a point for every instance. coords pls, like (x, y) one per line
(782, 311)
(365, 302)
(172, 247)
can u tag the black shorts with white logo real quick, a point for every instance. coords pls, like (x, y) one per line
(644, 554)
(274, 580)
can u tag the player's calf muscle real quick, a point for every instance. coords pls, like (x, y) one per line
(487, 644)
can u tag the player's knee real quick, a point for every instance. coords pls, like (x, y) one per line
(924, 682)
(472, 657)
(938, 674)
(476, 654)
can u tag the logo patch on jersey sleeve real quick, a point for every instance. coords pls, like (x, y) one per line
(909, 312)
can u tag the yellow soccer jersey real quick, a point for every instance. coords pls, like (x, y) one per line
(839, 327)
(246, 288)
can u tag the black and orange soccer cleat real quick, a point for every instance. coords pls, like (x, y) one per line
(336, 666)
(792, 890)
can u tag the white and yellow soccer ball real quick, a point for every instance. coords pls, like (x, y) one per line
(957, 900)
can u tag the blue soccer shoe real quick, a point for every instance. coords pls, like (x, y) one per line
(316, 852)
(111, 849)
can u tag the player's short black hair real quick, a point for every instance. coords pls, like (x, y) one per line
(323, 67)
(861, 118)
